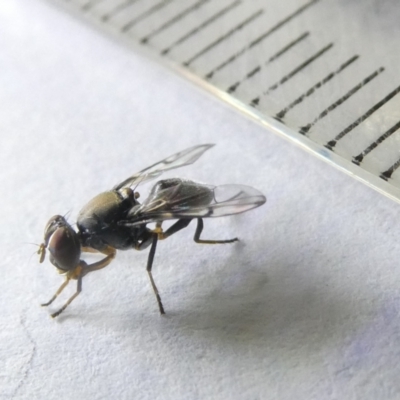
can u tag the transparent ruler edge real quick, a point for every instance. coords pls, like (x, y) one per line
(270, 123)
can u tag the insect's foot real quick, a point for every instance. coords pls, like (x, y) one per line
(227, 241)
(56, 314)
(161, 307)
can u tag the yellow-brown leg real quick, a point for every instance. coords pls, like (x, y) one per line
(176, 227)
(69, 301)
(89, 250)
(81, 270)
(60, 289)
(109, 251)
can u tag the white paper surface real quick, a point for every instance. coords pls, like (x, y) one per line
(306, 305)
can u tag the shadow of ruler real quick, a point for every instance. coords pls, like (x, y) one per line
(322, 73)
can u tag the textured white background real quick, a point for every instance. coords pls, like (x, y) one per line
(306, 305)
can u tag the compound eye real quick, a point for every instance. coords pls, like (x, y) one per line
(64, 248)
(51, 226)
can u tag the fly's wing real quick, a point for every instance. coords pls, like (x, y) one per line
(185, 157)
(207, 202)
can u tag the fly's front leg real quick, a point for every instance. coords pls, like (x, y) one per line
(80, 271)
(60, 289)
(89, 250)
(69, 301)
(199, 229)
(109, 251)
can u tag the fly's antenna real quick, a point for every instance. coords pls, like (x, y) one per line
(34, 244)
(30, 257)
(35, 252)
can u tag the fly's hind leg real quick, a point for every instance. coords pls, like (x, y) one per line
(176, 227)
(199, 229)
(158, 234)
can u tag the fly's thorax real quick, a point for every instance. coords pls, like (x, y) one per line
(99, 220)
(106, 207)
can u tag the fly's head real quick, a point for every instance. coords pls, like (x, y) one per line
(63, 244)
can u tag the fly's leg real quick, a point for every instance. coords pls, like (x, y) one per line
(199, 229)
(176, 227)
(80, 271)
(149, 266)
(78, 290)
(158, 234)
(109, 251)
(89, 250)
(60, 289)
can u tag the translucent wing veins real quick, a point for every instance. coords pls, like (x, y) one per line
(175, 203)
(181, 159)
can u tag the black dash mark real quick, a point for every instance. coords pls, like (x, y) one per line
(120, 7)
(331, 144)
(318, 85)
(299, 68)
(358, 159)
(388, 173)
(201, 26)
(256, 70)
(337, 103)
(174, 20)
(288, 47)
(255, 102)
(146, 14)
(223, 37)
(259, 39)
(253, 72)
(294, 72)
(89, 4)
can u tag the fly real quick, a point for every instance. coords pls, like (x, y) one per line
(115, 220)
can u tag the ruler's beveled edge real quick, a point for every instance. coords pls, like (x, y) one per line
(271, 124)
